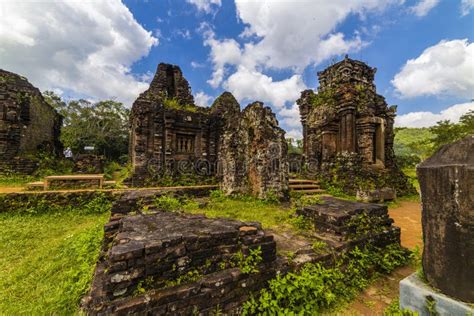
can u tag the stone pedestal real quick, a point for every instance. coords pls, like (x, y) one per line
(417, 296)
(447, 194)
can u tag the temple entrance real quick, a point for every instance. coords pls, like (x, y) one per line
(379, 143)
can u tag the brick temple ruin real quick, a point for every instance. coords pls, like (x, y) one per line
(346, 115)
(166, 262)
(27, 124)
(172, 136)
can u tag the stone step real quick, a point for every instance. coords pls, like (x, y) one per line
(36, 184)
(301, 181)
(314, 191)
(304, 186)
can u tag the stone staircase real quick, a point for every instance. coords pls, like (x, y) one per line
(304, 186)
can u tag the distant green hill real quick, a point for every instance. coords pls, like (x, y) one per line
(409, 141)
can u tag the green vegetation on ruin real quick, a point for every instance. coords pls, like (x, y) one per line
(316, 289)
(175, 105)
(245, 208)
(48, 256)
(49, 253)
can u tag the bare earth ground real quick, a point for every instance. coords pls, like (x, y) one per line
(381, 293)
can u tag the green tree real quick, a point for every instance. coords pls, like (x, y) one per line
(103, 125)
(446, 132)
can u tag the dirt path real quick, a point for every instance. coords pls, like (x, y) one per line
(382, 292)
(407, 216)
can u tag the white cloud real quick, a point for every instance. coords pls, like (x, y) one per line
(206, 6)
(186, 34)
(282, 35)
(87, 47)
(423, 7)
(466, 7)
(252, 85)
(294, 133)
(446, 68)
(427, 119)
(202, 99)
(294, 34)
(223, 52)
(291, 116)
(195, 64)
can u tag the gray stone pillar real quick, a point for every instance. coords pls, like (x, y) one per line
(447, 193)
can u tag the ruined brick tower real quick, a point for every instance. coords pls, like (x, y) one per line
(27, 124)
(347, 124)
(347, 115)
(244, 150)
(168, 131)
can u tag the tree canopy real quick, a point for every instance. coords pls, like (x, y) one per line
(103, 125)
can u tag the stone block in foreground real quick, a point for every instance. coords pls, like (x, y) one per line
(167, 263)
(415, 295)
(346, 219)
(447, 195)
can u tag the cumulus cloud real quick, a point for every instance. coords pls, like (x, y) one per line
(87, 47)
(291, 116)
(294, 134)
(282, 35)
(446, 68)
(202, 99)
(296, 34)
(223, 52)
(423, 7)
(466, 7)
(427, 119)
(252, 85)
(207, 6)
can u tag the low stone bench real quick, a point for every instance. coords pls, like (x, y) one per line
(68, 181)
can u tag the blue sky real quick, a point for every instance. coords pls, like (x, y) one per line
(258, 50)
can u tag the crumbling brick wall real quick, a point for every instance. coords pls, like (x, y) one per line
(167, 263)
(245, 149)
(27, 124)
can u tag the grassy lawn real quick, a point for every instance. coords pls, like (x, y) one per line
(47, 260)
(268, 214)
(15, 180)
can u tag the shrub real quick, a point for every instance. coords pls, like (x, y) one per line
(167, 203)
(316, 288)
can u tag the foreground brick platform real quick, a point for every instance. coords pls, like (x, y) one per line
(160, 249)
(345, 224)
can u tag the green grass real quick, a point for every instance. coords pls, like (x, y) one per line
(15, 180)
(270, 215)
(47, 260)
